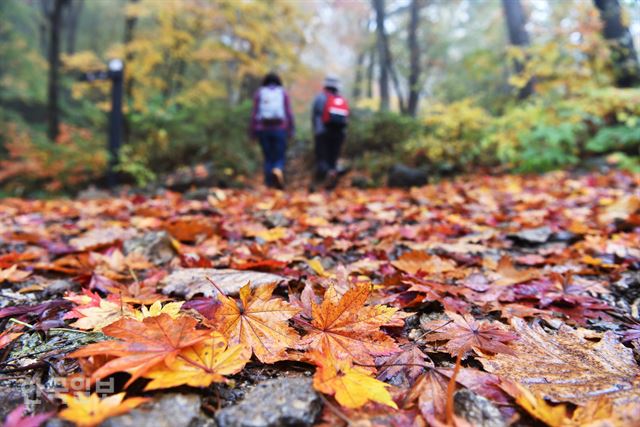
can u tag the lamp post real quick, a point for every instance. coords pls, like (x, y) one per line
(115, 73)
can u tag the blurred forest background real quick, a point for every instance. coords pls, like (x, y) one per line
(444, 85)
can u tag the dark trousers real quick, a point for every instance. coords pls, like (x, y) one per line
(274, 148)
(327, 150)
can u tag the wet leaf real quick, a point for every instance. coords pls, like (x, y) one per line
(566, 367)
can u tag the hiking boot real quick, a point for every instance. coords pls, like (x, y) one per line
(332, 179)
(279, 178)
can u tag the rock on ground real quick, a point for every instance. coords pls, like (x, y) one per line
(479, 411)
(155, 246)
(286, 402)
(188, 282)
(170, 410)
(403, 176)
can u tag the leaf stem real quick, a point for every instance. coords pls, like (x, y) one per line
(451, 388)
(215, 286)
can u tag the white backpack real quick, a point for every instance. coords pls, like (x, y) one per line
(271, 103)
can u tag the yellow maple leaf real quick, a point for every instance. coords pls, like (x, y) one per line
(553, 415)
(96, 318)
(156, 309)
(318, 268)
(200, 365)
(272, 234)
(89, 411)
(353, 386)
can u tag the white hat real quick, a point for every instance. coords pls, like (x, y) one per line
(331, 81)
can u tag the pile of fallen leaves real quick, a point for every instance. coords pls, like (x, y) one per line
(521, 292)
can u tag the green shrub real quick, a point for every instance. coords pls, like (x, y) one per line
(378, 132)
(165, 138)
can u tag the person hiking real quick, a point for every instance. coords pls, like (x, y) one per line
(272, 123)
(329, 114)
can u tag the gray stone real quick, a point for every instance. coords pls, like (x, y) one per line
(280, 402)
(197, 194)
(12, 396)
(93, 193)
(479, 411)
(154, 245)
(188, 282)
(403, 176)
(628, 286)
(58, 287)
(533, 236)
(169, 410)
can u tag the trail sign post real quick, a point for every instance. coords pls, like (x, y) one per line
(115, 73)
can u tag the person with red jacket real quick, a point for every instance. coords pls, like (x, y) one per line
(329, 114)
(272, 123)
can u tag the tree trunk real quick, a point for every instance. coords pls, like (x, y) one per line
(414, 57)
(357, 84)
(395, 81)
(53, 109)
(623, 53)
(370, 71)
(383, 78)
(518, 36)
(74, 9)
(129, 30)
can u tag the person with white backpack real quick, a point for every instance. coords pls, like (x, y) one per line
(272, 123)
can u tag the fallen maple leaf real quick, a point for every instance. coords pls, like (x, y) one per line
(7, 337)
(348, 328)
(13, 275)
(464, 333)
(506, 274)
(89, 411)
(200, 365)
(353, 386)
(416, 261)
(101, 237)
(411, 362)
(430, 392)
(566, 367)
(16, 418)
(258, 322)
(272, 234)
(157, 308)
(537, 407)
(97, 317)
(144, 344)
(190, 228)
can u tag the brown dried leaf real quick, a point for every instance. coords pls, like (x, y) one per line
(565, 367)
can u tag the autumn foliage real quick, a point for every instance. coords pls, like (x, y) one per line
(508, 288)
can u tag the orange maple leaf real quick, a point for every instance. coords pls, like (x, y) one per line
(200, 365)
(89, 411)
(348, 328)
(258, 322)
(144, 344)
(416, 261)
(464, 333)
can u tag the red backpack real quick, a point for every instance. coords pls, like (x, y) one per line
(336, 110)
